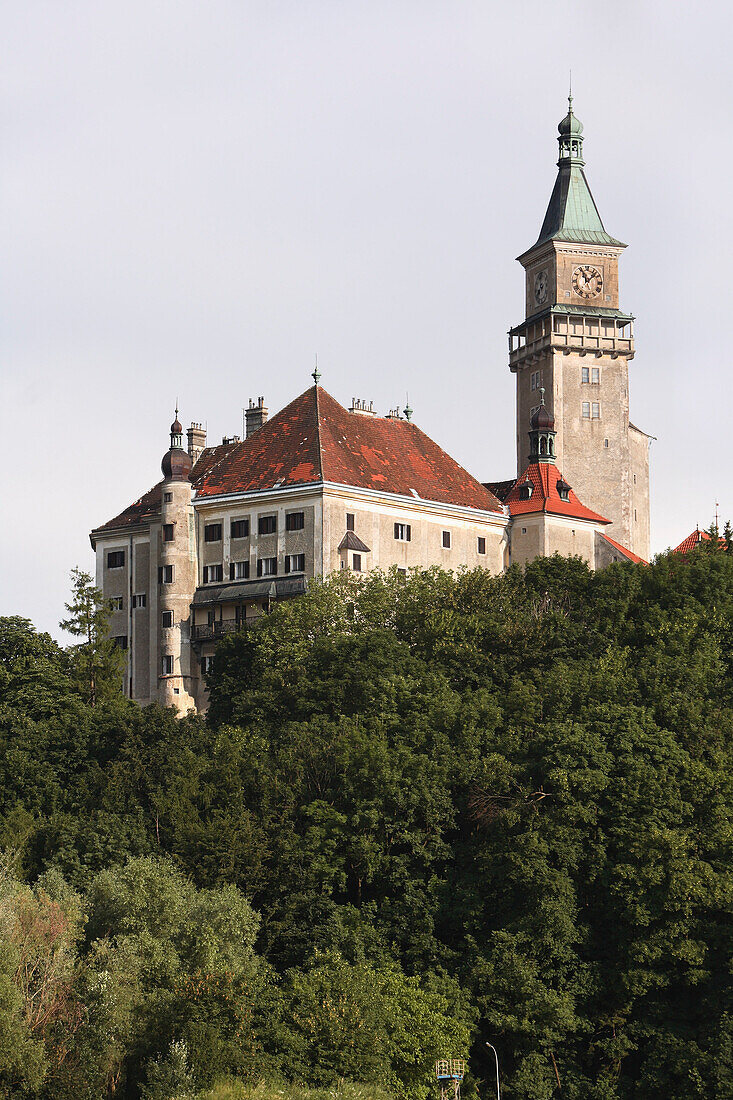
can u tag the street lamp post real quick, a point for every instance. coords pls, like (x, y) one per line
(496, 1056)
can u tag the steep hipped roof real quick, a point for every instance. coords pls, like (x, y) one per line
(694, 539)
(544, 478)
(315, 439)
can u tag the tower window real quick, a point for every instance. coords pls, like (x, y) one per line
(595, 375)
(446, 540)
(525, 492)
(586, 410)
(117, 603)
(349, 521)
(167, 532)
(605, 443)
(534, 380)
(166, 619)
(207, 664)
(168, 498)
(585, 374)
(165, 574)
(595, 411)
(481, 544)
(167, 664)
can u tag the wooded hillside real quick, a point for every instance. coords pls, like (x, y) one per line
(420, 814)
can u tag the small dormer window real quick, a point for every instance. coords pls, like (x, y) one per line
(525, 491)
(563, 489)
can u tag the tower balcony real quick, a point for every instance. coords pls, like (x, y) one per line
(590, 332)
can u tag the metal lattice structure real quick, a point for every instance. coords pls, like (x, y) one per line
(450, 1072)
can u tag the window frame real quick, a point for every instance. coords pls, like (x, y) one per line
(166, 664)
(402, 532)
(446, 540)
(166, 574)
(356, 563)
(262, 522)
(234, 567)
(213, 532)
(119, 559)
(350, 521)
(163, 624)
(585, 410)
(217, 569)
(261, 571)
(481, 544)
(168, 532)
(140, 599)
(295, 521)
(117, 603)
(242, 522)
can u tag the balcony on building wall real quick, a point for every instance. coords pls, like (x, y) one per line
(585, 333)
(208, 631)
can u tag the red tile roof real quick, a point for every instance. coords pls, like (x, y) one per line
(629, 554)
(545, 497)
(315, 439)
(694, 539)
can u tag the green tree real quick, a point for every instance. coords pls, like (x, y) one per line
(96, 661)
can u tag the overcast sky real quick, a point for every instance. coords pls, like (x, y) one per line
(197, 197)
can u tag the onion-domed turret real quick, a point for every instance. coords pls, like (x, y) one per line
(176, 464)
(542, 433)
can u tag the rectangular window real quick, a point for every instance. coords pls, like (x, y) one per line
(166, 619)
(349, 521)
(605, 443)
(295, 521)
(534, 380)
(212, 532)
(267, 567)
(357, 563)
(121, 641)
(595, 375)
(213, 574)
(165, 574)
(140, 600)
(481, 544)
(167, 532)
(295, 563)
(267, 525)
(239, 528)
(117, 603)
(167, 664)
(401, 572)
(533, 410)
(585, 374)
(168, 498)
(402, 532)
(238, 570)
(446, 540)
(595, 411)
(207, 664)
(586, 410)
(115, 559)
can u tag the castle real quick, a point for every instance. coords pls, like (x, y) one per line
(317, 488)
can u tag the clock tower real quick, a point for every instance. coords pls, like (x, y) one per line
(576, 343)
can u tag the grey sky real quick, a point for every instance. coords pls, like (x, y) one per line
(198, 197)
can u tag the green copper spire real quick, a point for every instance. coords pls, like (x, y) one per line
(572, 214)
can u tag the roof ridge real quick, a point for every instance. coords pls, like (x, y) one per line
(318, 432)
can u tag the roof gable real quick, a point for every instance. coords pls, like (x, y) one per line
(544, 477)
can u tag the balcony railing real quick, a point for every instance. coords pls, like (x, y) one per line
(207, 631)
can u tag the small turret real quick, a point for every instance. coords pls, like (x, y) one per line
(176, 464)
(542, 433)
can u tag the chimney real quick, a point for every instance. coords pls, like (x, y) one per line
(361, 407)
(196, 436)
(255, 415)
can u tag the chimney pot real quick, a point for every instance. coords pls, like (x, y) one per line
(255, 416)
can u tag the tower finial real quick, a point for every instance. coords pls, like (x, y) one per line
(542, 395)
(570, 92)
(316, 376)
(407, 410)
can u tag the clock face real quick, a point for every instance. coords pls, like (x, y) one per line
(587, 281)
(540, 287)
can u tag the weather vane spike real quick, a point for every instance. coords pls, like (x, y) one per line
(316, 376)
(407, 410)
(570, 91)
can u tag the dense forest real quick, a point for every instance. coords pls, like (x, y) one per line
(421, 814)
